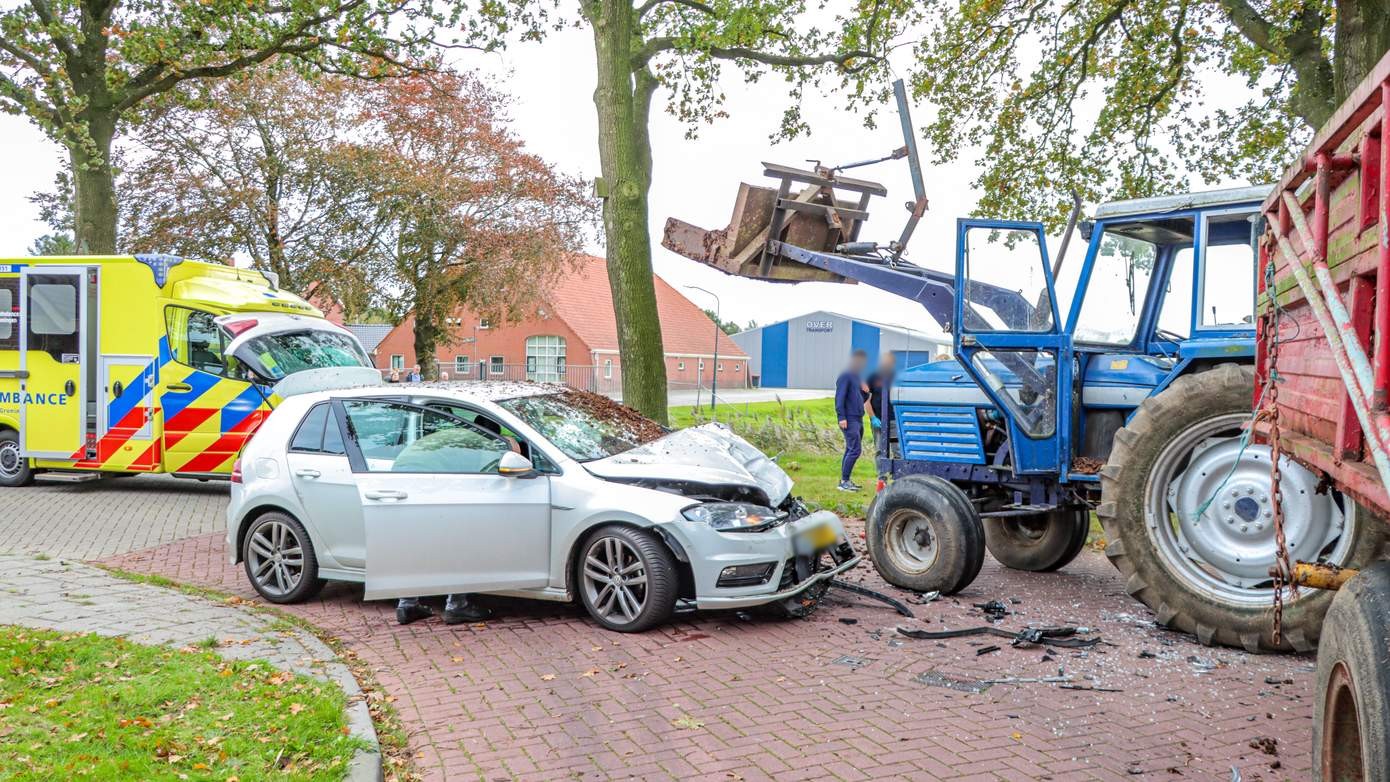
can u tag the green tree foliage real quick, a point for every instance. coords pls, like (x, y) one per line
(684, 46)
(726, 326)
(1120, 98)
(80, 69)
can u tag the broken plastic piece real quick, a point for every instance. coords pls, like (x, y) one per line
(1055, 636)
(879, 596)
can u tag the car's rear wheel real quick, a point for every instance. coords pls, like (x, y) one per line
(280, 560)
(627, 579)
(14, 468)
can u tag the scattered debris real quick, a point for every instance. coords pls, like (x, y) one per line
(994, 610)
(922, 598)
(1266, 744)
(639, 427)
(1275, 680)
(1090, 688)
(1145, 654)
(1086, 465)
(879, 596)
(1055, 636)
(934, 679)
(850, 661)
(1031, 680)
(848, 620)
(983, 650)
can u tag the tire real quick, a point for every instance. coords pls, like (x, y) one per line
(797, 606)
(14, 469)
(1040, 543)
(626, 606)
(1222, 594)
(1351, 716)
(923, 535)
(280, 581)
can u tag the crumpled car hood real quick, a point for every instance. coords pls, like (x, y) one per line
(709, 454)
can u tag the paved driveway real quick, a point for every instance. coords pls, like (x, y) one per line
(542, 693)
(95, 519)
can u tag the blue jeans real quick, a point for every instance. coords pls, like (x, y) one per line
(854, 436)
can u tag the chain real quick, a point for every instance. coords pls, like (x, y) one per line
(1282, 572)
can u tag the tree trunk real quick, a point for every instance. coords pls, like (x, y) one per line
(622, 99)
(427, 333)
(94, 189)
(1362, 37)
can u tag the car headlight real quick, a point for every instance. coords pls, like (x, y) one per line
(734, 516)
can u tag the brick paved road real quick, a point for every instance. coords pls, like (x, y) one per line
(541, 693)
(99, 518)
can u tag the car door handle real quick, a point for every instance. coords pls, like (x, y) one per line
(181, 388)
(389, 495)
(307, 473)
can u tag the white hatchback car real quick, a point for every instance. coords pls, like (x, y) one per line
(526, 490)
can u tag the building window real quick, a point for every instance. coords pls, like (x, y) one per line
(608, 369)
(461, 365)
(485, 324)
(680, 366)
(545, 359)
(719, 367)
(397, 361)
(702, 365)
(497, 365)
(738, 367)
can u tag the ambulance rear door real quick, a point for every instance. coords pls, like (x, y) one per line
(57, 345)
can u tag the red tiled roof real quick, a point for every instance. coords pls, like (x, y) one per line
(584, 300)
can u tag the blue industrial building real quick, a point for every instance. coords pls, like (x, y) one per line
(808, 351)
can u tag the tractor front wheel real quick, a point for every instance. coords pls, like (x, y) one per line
(924, 535)
(1040, 542)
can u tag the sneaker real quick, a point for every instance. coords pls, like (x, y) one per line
(413, 612)
(847, 486)
(471, 612)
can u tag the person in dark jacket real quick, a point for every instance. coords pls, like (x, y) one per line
(880, 405)
(849, 409)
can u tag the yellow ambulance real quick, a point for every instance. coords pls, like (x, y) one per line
(152, 363)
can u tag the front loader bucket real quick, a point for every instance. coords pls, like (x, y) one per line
(813, 219)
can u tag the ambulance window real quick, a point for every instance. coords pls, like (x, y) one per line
(53, 317)
(9, 314)
(195, 340)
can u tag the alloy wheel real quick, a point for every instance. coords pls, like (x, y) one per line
(276, 557)
(615, 580)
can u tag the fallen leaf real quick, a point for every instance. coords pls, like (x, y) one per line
(592, 672)
(547, 677)
(295, 708)
(686, 722)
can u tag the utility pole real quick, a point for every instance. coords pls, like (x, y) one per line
(714, 370)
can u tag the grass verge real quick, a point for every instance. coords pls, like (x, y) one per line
(78, 706)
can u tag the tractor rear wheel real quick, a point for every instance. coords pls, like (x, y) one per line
(1351, 716)
(1188, 511)
(1039, 543)
(924, 535)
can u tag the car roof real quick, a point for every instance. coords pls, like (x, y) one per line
(465, 390)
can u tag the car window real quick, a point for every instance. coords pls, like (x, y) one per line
(583, 426)
(395, 437)
(492, 425)
(309, 437)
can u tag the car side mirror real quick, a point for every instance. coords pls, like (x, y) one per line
(514, 465)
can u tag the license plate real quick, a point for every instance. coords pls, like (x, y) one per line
(822, 536)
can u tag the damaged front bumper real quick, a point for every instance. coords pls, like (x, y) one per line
(800, 554)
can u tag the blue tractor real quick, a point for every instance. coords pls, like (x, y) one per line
(1129, 396)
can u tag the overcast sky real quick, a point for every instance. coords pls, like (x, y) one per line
(695, 180)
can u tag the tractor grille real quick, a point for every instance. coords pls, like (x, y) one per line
(945, 433)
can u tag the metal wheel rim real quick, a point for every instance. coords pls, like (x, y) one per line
(1162, 527)
(275, 556)
(11, 463)
(911, 541)
(615, 580)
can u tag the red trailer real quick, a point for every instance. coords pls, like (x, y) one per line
(1323, 398)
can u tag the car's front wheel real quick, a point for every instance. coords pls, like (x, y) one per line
(627, 579)
(280, 560)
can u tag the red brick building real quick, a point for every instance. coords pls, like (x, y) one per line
(573, 337)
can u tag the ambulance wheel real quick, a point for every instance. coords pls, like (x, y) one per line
(1040, 542)
(924, 535)
(1187, 506)
(14, 468)
(1351, 716)
(279, 559)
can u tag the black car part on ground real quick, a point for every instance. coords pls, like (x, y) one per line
(897, 605)
(1063, 637)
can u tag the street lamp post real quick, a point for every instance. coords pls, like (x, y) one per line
(714, 370)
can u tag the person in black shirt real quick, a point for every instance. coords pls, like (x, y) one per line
(880, 404)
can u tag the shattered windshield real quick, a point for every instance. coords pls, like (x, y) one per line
(276, 356)
(585, 426)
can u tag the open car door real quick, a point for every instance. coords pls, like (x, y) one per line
(1008, 337)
